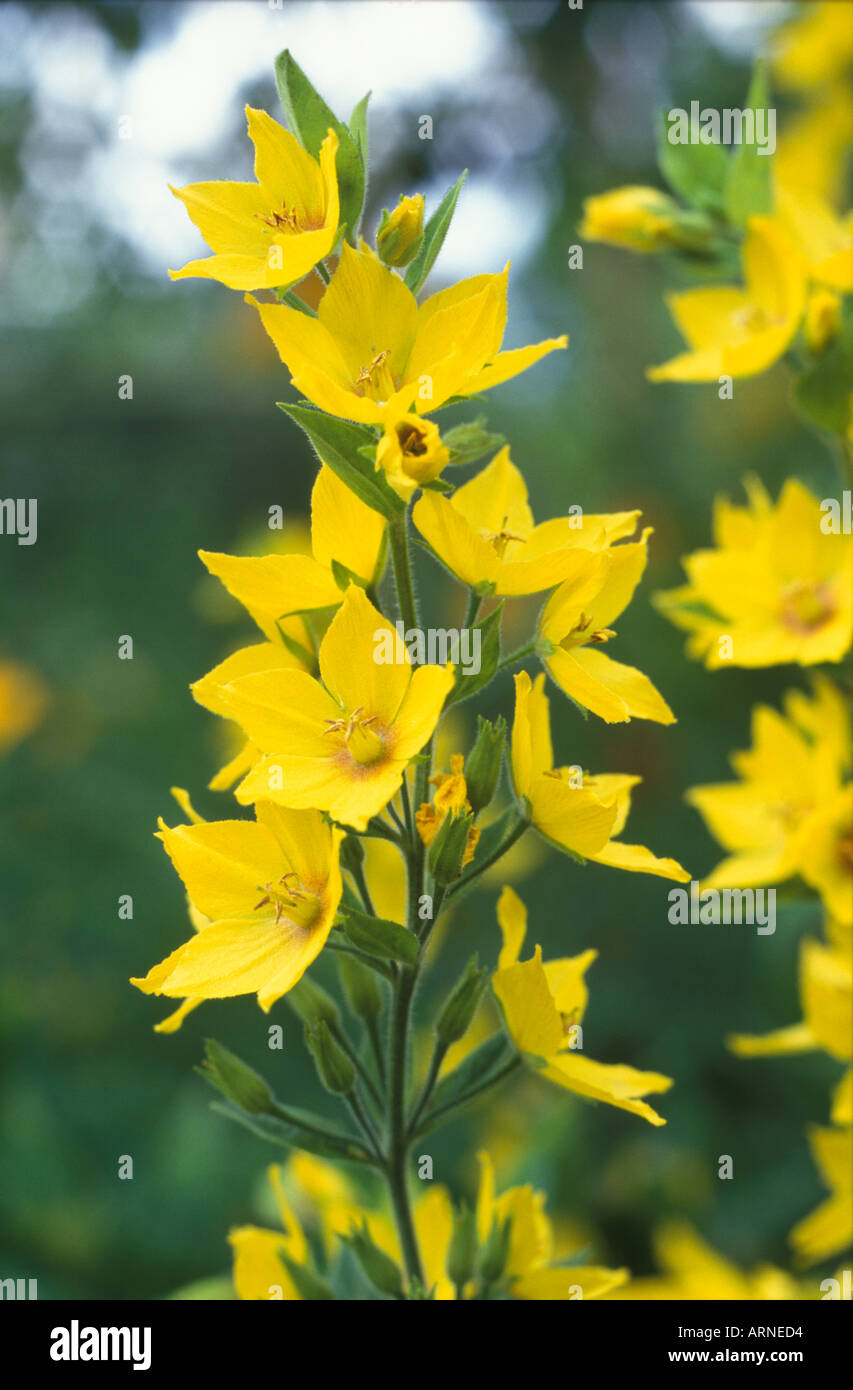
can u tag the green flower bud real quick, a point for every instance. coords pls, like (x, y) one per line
(352, 853)
(312, 1003)
(307, 1281)
(483, 764)
(236, 1080)
(334, 1067)
(401, 232)
(459, 1009)
(462, 1254)
(383, 1272)
(447, 850)
(495, 1251)
(361, 987)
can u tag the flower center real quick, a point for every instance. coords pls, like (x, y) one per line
(806, 607)
(364, 744)
(580, 633)
(290, 899)
(501, 539)
(375, 380)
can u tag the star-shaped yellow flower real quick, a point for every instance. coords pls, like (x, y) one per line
(270, 889)
(543, 1006)
(826, 992)
(776, 588)
(790, 812)
(734, 331)
(372, 354)
(274, 231)
(829, 1228)
(576, 623)
(529, 1270)
(340, 744)
(576, 812)
(486, 536)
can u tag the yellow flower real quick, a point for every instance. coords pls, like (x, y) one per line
(829, 1228)
(576, 622)
(23, 701)
(775, 589)
(411, 453)
(815, 47)
(274, 588)
(451, 798)
(486, 536)
(270, 888)
(401, 232)
(543, 1006)
(259, 1271)
(342, 745)
(529, 1271)
(733, 331)
(635, 217)
(826, 994)
(576, 812)
(274, 231)
(811, 152)
(372, 354)
(824, 239)
(788, 812)
(823, 319)
(693, 1270)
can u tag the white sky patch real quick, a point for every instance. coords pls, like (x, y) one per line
(739, 26)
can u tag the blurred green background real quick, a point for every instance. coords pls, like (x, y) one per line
(545, 106)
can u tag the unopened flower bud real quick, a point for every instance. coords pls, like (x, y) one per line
(483, 764)
(401, 232)
(237, 1081)
(449, 849)
(334, 1067)
(361, 987)
(459, 1009)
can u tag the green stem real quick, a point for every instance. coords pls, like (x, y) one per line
(346, 1046)
(440, 1114)
(398, 540)
(474, 602)
(361, 884)
(376, 1044)
(438, 1054)
(362, 1119)
(527, 650)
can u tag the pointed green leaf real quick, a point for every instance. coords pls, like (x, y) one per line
(489, 629)
(338, 443)
(697, 173)
(749, 186)
(309, 119)
(434, 233)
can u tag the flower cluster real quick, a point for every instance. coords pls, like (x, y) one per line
(337, 711)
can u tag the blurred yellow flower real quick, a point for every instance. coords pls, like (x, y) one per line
(734, 331)
(693, 1270)
(270, 889)
(274, 231)
(575, 623)
(543, 1006)
(529, 1269)
(815, 47)
(486, 536)
(341, 746)
(23, 701)
(790, 812)
(776, 587)
(829, 1228)
(372, 354)
(634, 217)
(576, 812)
(259, 1271)
(826, 995)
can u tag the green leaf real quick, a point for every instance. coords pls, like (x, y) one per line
(344, 577)
(338, 444)
(308, 1283)
(298, 1129)
(490, 654)
(697, 173)
(309, 119)
(749, 185)
(472, 1073)
(822, 392)
(296, 648)
(434, 233)
(471, 441)
(379, 937)
(358, 126)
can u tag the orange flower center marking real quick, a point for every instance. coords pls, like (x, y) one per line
(291, 900)
(363, 743)
(806, 607)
